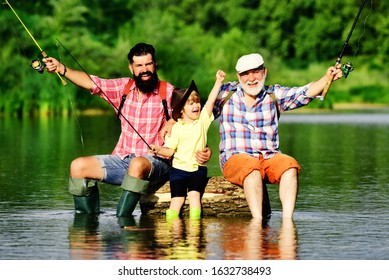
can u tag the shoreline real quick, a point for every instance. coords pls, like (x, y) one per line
(341, 106)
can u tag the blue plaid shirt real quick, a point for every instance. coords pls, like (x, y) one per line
(254, 131)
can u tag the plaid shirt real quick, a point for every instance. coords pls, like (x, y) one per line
(145, 114)
(254, 131)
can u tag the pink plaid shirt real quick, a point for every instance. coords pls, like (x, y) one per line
(144, 113)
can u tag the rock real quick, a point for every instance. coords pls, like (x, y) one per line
(221, 198)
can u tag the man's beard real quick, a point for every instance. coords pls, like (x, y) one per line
(253, 91)
(147, 86)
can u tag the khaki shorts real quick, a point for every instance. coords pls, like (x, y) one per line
(239, 166)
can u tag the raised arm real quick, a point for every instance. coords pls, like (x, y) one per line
(317, 87)
(220, 75)
(78, 78)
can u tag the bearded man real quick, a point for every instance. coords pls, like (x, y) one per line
(139, 105)
(249, 142)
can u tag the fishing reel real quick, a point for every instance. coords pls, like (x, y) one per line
(37, 65)
(346, 69)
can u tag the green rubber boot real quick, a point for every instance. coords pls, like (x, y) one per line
(172, 214)
(133, 188)
(85, 195)
(195, 213)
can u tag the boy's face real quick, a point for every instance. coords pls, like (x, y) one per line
(192, 109)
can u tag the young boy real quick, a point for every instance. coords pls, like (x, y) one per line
(189, 134)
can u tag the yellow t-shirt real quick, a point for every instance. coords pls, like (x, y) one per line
(187, 138)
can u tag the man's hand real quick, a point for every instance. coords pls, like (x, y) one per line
(204, 155)
(335, 72)
(53, 65)
(167, 129)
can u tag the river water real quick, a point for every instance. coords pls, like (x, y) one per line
(342, 210)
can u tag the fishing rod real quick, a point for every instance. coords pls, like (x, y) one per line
(105, 95)
(346, 68)
(36, 64)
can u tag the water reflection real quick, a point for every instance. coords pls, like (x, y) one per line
(84, 239)
(146, 238)
(181, 239)
(254, 240)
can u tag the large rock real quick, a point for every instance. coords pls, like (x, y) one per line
(221, 198)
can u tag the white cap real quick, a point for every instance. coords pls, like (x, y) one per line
(248, 62)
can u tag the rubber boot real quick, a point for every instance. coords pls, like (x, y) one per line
(133, 188)
(127, 203)
(88, 204)
(195, 213)
(172, 214)
(85, 195)
(127, 222)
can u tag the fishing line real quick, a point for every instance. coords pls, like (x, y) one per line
(21, 46)
(39, 67)
(346, 68)
(105, 95)
(73, 109)
(35, 42)
(364, 29)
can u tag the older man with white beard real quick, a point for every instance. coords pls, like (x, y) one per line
(249, 140)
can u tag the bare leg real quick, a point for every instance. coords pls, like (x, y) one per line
(194, 199)
(288, 192)
(253, 191)
(140, 167)
(176, 203)
(86, 167)
(194, 205)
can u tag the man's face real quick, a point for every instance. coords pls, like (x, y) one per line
(253, 80)
(144, 71)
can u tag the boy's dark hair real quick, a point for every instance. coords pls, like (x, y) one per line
(141, 49)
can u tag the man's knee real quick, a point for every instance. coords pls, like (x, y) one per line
(86, 167)
(254, 177)
(139, 167)
(291, 174)
(76, 166)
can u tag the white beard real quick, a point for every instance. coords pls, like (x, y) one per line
(253, 91)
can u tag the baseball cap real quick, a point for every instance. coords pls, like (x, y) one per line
(248, 62)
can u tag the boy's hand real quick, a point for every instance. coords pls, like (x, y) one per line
(220, 75)
(153, 150)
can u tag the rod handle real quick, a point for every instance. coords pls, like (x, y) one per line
(327, 87)
(44, 54)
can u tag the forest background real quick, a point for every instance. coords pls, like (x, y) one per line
(299, 40)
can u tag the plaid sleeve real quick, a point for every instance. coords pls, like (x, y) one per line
(291, 98)
(111, 90)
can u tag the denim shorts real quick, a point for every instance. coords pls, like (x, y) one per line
(115, 168)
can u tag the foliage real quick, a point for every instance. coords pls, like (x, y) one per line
(193, 39)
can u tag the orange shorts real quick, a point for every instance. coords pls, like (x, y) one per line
(239, 166)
